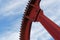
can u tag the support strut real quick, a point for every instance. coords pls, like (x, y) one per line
(34, 13)
(49, 25)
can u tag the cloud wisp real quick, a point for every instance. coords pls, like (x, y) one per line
(38, 32)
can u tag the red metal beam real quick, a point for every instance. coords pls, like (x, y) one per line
(34, 13)
(49, 25)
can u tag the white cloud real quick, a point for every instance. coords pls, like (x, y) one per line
(47, 2)
(13, 33)
(16, 25)
(10, 36)
(13, 4)
(10, 6)
(38, 32)
(51, 9)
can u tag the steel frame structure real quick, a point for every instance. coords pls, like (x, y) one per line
(34, 13)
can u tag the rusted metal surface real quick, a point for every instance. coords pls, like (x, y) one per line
(34, 13)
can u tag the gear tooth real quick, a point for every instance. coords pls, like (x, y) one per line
(29, 1)
(26, 8)
(27, 5)
(22, 31)
(24, 12)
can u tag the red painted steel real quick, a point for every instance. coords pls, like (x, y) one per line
(50, 26)
(34, 13)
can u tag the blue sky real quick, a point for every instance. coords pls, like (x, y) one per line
(11, 14)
